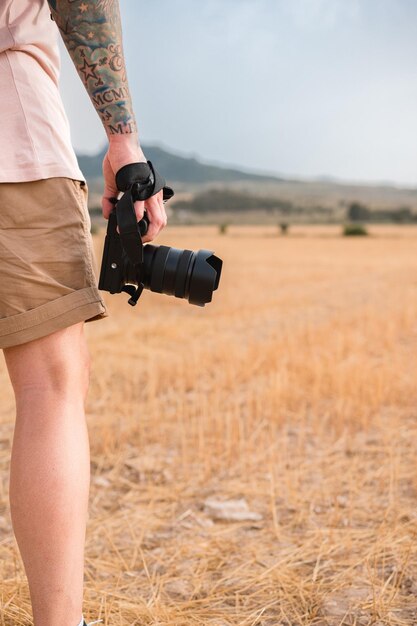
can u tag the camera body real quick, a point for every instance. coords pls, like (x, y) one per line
(129, 266)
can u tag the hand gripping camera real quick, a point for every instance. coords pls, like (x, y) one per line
(128, 265)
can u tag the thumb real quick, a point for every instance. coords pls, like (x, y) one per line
(110, 193)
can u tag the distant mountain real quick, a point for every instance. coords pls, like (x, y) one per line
(177, 168)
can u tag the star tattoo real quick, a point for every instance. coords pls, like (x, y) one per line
(89, 70)
(83, 7)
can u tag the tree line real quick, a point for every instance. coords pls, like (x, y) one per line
(226, 200)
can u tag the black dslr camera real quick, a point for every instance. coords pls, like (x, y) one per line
(128, 265)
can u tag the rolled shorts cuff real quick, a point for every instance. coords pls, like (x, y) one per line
(81, 305)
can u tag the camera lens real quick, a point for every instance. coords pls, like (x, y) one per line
(181, 273)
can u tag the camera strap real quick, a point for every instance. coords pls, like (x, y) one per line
(138, 181)
(128, 228)
(132, 173)
(144, 180)
(131, 241)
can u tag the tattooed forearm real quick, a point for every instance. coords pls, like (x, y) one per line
(92, 33)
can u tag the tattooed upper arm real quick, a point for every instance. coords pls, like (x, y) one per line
(91, 31)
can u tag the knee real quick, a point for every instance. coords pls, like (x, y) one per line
(59, 363)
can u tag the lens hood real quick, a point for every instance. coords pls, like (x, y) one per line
(205, 277)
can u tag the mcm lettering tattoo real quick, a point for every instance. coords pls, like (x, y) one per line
(92, 33)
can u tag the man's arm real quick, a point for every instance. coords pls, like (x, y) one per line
(92, 33)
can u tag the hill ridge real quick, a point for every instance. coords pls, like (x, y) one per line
(175, 167)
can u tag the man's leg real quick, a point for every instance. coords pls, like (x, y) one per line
(50, 470)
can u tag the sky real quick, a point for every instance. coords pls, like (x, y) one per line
(300, 88)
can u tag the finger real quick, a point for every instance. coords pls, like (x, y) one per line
(139, 209)
(162, 205)
(156, 218)
(107, 204)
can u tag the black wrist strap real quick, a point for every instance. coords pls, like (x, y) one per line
(144, 180)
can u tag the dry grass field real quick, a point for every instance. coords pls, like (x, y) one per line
(254, 461)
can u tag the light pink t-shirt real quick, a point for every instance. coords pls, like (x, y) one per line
(35, 140)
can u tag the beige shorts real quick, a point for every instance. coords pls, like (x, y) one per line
(48, 271)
